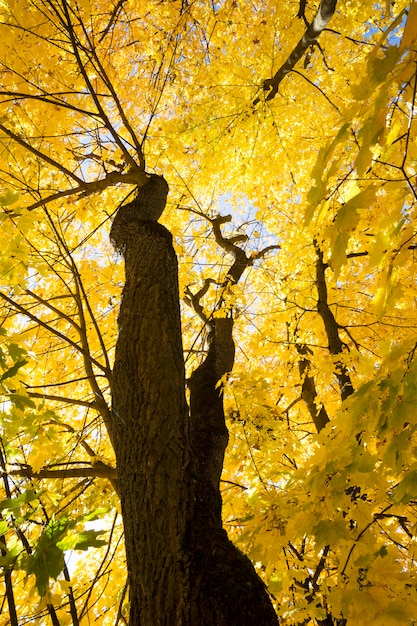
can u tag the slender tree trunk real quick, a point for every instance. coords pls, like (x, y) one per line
(226, 590)
(182, 568)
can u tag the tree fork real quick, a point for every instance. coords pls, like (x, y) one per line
(182, 568)
(225, 588)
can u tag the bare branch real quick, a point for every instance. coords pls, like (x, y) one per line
(99, 572)
(99, 470)
(241, 262)
(264, 252)
(103, 74)
(40, 155)
(63, 399)
(81, 438)
(113, 18)
(103, 115)
(50, 98)
(54, 309)
(52, 330)
(319, 89)
(79, 295)
(133, 177)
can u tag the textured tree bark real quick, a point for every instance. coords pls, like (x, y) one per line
(150, 429)
(225, 588)
(182, 568)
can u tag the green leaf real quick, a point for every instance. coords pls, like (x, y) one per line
(4, 527)
(21, 401)
(47, 561)
(96, 514)
(89, 539)
(13, 504)
(407, 489)
(12, 371)
(382, 551)
(10, 557)
(9, 198)
(330, 532)
(16, 352)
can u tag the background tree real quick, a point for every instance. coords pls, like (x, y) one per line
(309, 144)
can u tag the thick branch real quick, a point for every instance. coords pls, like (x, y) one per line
(309, 391)
(221, 327)
(324, 14)
(193, 299)
(112, 20)
(132, 177)
(331, 326)
(62, 399)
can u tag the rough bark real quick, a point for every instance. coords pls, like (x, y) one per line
(309, 391)
(331, 327)
(150, 429)
(182, 568)
(225, 588)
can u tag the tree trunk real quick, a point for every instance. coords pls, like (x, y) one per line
(182, 568)
(226, 590)
(150, 429)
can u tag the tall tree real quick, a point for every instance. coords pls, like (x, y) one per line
(286, 135)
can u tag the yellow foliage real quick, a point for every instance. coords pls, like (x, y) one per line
(329, 166)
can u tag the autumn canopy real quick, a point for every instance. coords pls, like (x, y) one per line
(287, 135)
